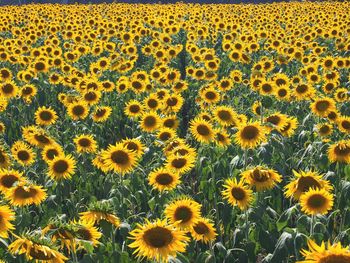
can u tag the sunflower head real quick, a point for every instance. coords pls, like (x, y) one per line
(316, 201)
(183, 212)
(237, 193)
(158, 240)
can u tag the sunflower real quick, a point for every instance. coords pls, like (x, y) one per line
(8, 89)
(183, 212)
(304, 181)
(63, 233)
(277, 120)
(23, 153)
(158, 240)
(133, 109)
(35, 250)
(134, 145)
(85, 231)
(210, 95)
(256, 108)
(202, 130)
(325, 253)
(222, 138)
(2, 128)
(8, 178)
(96, 216)
(250, 135)
(78, 110)
(36, 136)
(339, 152)
(289, 129)
(101, 114)
(51, 151)
(170, 121)
(341, 95)
(172, 103)
(344, 124)
(237, 193)
(4, 158)
(61, 167)
(324, 129)
(267, 88)
(28, 92)
(119, 158)
(162, 179)
(85, 143)
(203, 231)
(6, 216)
(224, 115)
(180, 164)
(166, 134)
(316, 201)
(45, 116)
(261, 178)
(24, 194)
(150, 121)
(322, 106)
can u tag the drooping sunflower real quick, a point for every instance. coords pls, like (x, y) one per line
(101, 114)
(339, 152)
(303, 181)
(8, 178)
(85, 231)
(203, 230)
(24, 194)
(45, 116)
(23, 153)
(119, 158)
(78, 110)
(158, 240)
(289, 129)
(150, 121)
(277, 120)
(202, 130)
(322, 106)
(325, 253)
(6, 216)
(95, 216)
(183, 212)
(250, 135)
(237, 193)
(36, 136)
(316, 201)
(162, 179)
(61, 167)
(85, 143)
(261, 178)
(36, 250)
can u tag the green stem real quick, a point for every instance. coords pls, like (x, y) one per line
(312, 226)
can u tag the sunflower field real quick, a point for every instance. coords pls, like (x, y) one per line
(177, 133)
